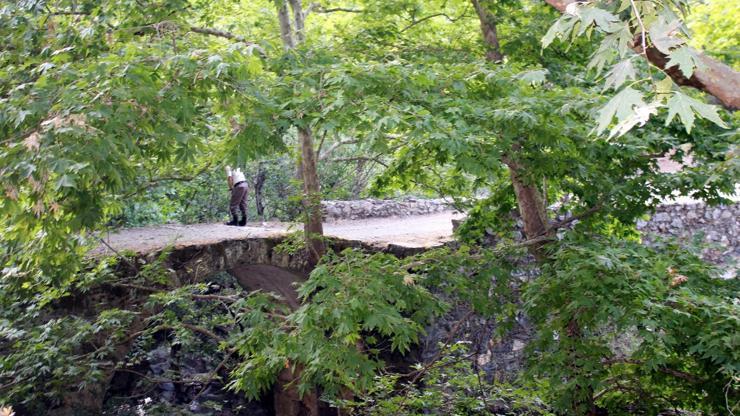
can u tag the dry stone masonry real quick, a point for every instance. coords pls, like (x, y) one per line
(720, 226)
(379, 208)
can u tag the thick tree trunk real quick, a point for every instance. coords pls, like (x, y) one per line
(714, 78)
(288, 402)
(528, 195)
(488, 29)
(311, 198)
(531, 203)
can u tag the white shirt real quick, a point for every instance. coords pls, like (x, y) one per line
(238, 176)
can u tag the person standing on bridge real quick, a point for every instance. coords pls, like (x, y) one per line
(239, 189)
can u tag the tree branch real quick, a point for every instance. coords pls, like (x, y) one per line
(715, 78)
(69, 13)
(154, 182)
(425, 18)
(227, 35)
(315, 7)
(663, 369)
(335, 146)
(360, 158)
(560, 224)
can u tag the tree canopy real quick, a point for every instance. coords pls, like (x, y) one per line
(555, 110)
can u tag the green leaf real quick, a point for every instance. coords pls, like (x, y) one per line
(687, 107)
(600, 17)
(621, 106)
(686, 60)
(640, 115)
(535, 77)
(560, 28)
(619, 74)
(662, 34)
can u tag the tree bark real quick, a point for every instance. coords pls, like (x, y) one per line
(528, 196)
(531, 203)
(259, 184)
(532, 208)
(715, 78)
(311, 198)
(298, 19)
(288, 402)
(488, 29)
(286, 32)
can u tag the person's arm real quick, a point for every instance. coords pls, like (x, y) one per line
(229, 177)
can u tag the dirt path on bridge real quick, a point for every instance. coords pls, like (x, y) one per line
(412, 231)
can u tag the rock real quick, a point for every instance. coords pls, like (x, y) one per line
(376, 208)
(518, 345)
(661, 217)
(716, 213)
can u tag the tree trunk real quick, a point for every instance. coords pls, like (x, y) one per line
(531, 207)
(311, 198)
(298, 19)
(528, 196)
(288, 402)
(360, 179)
(488, 29)
(286, 33)
(259, 183)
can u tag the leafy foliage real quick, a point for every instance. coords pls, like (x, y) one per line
(106, 104)
(450, 386)
(336, 339)
(653, 323)
(653, 25)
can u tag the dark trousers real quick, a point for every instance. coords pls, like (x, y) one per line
(239, 199)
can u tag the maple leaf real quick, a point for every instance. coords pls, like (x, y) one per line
(677, 278)
(619, 74)
(686, 60)
(11, 192)
(662, 34)
(38, 208)
(594, 15)
(687, 108)
(621, 105)
(640, 116)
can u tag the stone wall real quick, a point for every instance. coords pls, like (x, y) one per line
(377, 208)
(720, 226)
(502, 358)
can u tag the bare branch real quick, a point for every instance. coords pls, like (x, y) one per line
(560, 224)
(227, 35)
(69, 13)
(315, 7)
(335, 146)
(360, 158)
(171, 178)
(663, 369)
(449, 18)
